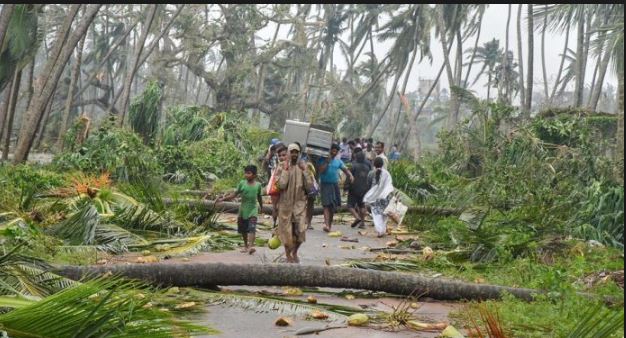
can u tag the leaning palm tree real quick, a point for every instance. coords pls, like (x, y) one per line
(489, 54)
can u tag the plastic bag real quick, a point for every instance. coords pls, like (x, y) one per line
(272, 186)
(315, 190)
(396, 210)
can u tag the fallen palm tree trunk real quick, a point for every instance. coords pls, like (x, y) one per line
(212, 274)
(232, 207)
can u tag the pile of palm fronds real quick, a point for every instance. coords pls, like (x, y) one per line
(102, 307)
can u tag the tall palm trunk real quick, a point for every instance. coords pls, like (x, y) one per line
(130, 76)
(64, 44)
(531, 51)
(601, 67)
(471, 61)
(389, 100)
(594, 77)
(597, 90)
(404, 84)
(580, 70)
(43, 123)
(5, 18)
(620, 120)
(412, 128)
(489, 85)
(521, 60)
(558, 75)
(543, 57)
(448, 67)
(12, 101)
(505, 58)
(70, 93)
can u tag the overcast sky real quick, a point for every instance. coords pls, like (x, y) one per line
(493, 26)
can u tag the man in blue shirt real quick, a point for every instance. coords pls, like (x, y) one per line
(329, 184)
(394, 155)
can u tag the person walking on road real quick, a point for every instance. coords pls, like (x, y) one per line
(294, 182)
(329, 184)
(379, 195)
(357, 189)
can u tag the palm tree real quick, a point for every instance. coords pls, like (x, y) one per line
(410, 30)
(559, 18)
(489, 54)
(605, 45)
(506, 77)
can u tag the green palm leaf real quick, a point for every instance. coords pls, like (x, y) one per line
(98, 308)
(598, 322)
(277, 304)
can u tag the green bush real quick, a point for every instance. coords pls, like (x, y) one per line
(111, 149)
(20, 183)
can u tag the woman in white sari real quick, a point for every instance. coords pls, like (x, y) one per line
(379, 195)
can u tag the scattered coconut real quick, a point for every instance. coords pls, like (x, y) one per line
(185, 305)
(427, 253)
(282, 321)
(318, 315)
(311, 300)
(358, 319)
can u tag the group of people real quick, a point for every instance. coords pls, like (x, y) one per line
(293, 187)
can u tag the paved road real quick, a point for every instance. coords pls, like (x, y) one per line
(319, 249)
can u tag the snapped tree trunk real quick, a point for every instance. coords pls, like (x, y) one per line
(213, 274)
(64, 44)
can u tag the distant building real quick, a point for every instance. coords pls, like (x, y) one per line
(424, 86)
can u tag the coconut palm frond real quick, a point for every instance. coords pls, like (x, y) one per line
(101, 307)
(598, 321)
(467, 97)
(112, 235)
(277, 304)
(80, 227)
(14, 302)
(190, 246)
(139, 217)
(397, 265)
(32, 281)
(17, 279)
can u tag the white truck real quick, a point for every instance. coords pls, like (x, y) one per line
(315, 139)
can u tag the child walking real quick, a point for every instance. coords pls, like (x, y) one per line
(250, 191)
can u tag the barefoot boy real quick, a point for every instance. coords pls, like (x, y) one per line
(250, 191)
